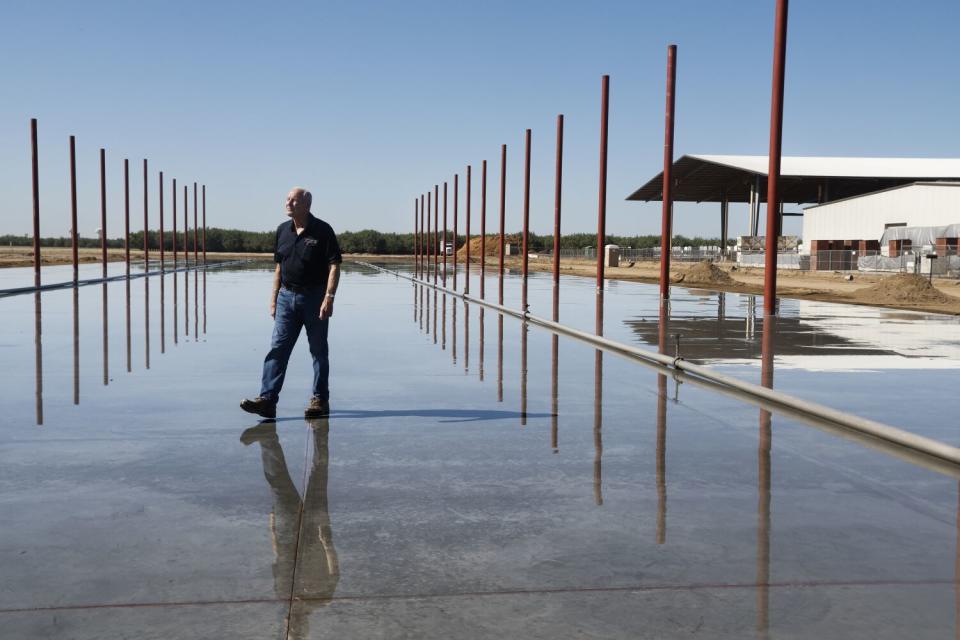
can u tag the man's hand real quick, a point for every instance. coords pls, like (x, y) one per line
(273, 309)
(326, 308)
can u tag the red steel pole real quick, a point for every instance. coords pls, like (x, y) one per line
(443, 247)
(103, 209)
(186, 229)
(173, 201)
(602, 205)
(35, 159)
(483, 228)
(162, 265)
(146, 224)
(429, 238)
(456, 199)
(466, 271)
(503, 210)
(436, 232)
(666, 221)
(422, 237)
(73, 209)
(126, 211)
(526, 217)
(416, 238)
(773, 172)
(195, 226)
(203, 196)
(556, 203)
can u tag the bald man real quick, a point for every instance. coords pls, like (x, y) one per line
(304, 285)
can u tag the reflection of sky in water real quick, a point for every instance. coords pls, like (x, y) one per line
(448, 469)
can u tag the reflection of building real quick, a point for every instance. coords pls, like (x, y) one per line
(304, 555)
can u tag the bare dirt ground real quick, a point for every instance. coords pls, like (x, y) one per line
(828, 286)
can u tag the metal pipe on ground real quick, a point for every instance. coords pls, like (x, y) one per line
(666, 221)
(602, 195)
(778, 401)
(773, 169)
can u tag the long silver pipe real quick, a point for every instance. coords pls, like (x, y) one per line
(871, 428)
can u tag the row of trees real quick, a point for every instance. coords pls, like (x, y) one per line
(365, 241)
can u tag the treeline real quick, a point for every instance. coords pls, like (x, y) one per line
(364, 241)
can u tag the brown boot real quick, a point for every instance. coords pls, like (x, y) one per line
(317, 408)
(261, 406)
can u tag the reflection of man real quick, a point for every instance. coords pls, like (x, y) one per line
(304, 283)
(304, 555)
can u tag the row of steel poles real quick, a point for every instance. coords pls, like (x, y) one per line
(199, 225)
(430, 241)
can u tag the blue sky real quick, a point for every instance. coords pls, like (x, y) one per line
(371, 103)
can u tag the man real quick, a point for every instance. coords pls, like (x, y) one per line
(304, 284)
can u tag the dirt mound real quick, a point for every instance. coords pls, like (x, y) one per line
(492, 248)
(903, 287)
(705, 273)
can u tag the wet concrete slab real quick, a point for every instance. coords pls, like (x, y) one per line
(522, 486)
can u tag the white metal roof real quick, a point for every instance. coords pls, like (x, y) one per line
(845, 167)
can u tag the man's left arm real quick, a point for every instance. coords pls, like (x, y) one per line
(333, 281)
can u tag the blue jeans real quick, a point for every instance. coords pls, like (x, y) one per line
(294, 311)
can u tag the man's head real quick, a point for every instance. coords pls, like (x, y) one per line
(298, 202)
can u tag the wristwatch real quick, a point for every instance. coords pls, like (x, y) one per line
(329, 295)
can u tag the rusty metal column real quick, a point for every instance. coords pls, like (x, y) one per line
(173, 201)
(186, 236)
(556, 203)
(666, 220)
(422, 235)
(602, 204)
(503, 211)
(195, 260)
(416, 238)
(203, 212)
(773, 171)
(456, 198)
(73, 209)
(103, 209)
(483, 230)
(443, 246)
(429, 240)
(126, 211)
(35, 164)
(526, 219)
(162, 260)
(436, 233)
(466, 271)
(146, 223)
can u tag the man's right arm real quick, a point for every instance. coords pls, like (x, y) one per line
(276, 292)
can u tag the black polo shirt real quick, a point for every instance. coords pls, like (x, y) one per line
(305, 259)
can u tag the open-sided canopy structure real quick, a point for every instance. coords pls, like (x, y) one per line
(715, 178)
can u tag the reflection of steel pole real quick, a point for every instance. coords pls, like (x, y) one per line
(129, 357)
(524, 330)
(602, 199)
(35, 165)
(443, 324)
(73, 209)
(163, 319)
(483, 229)
(434, 315)
(773, 170)
(146, 321)
(666, 222)
(500, 357)
(103, 210)
(466, 337)
(554, 372)
(481, 347)
(38, 349)
(662, 333)
(598, 406)
(503, 212)
(763, 481)
(526, 218)
(76, 345)
(106, 346)
(556, 203)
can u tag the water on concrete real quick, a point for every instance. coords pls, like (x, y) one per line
(475, 479)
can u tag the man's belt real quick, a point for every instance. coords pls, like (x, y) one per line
(297, 288)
